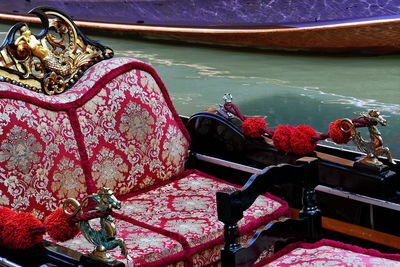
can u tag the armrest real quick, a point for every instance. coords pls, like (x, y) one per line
(231, 205)
(275, 235)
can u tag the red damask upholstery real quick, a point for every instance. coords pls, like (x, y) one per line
(182, 214)
(117, 132)
(116, 127)
(330, 253)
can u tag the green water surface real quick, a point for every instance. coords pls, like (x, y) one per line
(288, 88)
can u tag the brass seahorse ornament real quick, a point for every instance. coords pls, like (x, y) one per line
(104, 238)
(374, 148)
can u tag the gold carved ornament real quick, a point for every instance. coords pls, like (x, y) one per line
(51, 61)
(373, 148)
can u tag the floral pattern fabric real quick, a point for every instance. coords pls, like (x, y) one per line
(187, 207)
(132, 138)
(39, 160)
(115, 128)
(328, 253)
(143, 245)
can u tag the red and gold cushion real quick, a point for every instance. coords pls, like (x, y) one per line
(118, 115)
(39, 159)
(184, 209)
(143, 245)
(330, 253)
(117, 128)
(132, 137)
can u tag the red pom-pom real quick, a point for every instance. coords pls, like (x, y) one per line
(5, 213)
(58, 228)
(16, 233)
(281, 138)
(336, 134)
(301, 140)
(254, 127)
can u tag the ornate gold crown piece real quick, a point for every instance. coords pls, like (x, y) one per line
(48, 62)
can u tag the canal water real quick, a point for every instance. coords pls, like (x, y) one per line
(288, 88)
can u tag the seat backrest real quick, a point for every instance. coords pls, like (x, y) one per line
(115, 127)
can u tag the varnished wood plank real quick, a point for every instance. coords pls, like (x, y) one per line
(357, 231)
(361, 232)
(332, 158)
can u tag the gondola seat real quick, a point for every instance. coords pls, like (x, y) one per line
(116, 128)
(294, 241)
(329, 253)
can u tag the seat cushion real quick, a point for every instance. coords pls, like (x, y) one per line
(181, 215)
(116, 127)
(330, 253)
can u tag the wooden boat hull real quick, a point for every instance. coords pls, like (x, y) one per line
(363, 37)
(205, 13)
(378, 36)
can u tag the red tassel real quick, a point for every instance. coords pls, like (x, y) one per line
(58, 227)
(336, 134)
(16, 233)
(281, 138)
(301, 140)
(254, 127)
(5, 213)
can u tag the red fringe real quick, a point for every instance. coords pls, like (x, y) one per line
(5, 213)
(301, 140)
(254, 127)
(16, 233)
(281, 138)
(336, 134)
(58, 226)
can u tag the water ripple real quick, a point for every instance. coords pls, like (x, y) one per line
(366, 104)
(201, 69)
(307, 91)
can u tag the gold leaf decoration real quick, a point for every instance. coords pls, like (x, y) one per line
(51, 61)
